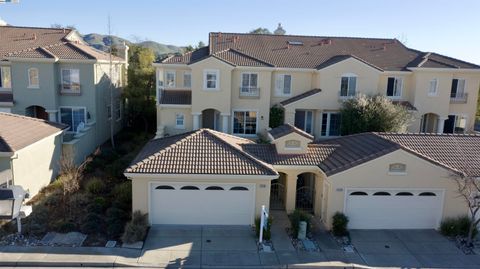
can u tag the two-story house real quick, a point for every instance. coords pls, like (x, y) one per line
(231, 84)
(52, 74)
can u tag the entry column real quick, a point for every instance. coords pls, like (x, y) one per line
(196, 120)
(291, 192)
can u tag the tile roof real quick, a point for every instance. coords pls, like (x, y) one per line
(17, 132)
(47, 43)
(300, 96)
(314, 52)
(176, 97)
(287, 128)
(199, 152)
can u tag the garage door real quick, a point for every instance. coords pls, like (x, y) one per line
(205, 204)
(394, 209)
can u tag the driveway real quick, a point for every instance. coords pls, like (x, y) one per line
(410, 248)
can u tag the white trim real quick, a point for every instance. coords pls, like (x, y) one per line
(279, 92)
(217, 79)
(190, 74)
(444, 70)
(395, 83)
(183, 121)
(435, 93)
(327, 131)
(199, 176)
(248, 73)
(30, 85)
(78, 61)
(174, 106)
(30, 60)
(169, 65)
(62, 90)
(245, 110)
(165, 75)
(455, 121)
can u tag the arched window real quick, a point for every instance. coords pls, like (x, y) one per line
(381, 193)
(404, 193)
(189, 188)
(33, 80)
(427, 193)
(397, 168)
(358, 193)
(238, 188)
(164, 187)
(214, 188)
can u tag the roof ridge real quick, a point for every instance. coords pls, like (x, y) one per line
(307, 36)
(455, 59)
(38, 27)
(252, 57)
(72, 44)
(33, 119)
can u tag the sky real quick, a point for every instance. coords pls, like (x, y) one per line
(449, 27)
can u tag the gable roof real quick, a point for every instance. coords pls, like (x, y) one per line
(286, 129)
(300, 96)
(199, 152)
(17, 132)
(315, 52)
(46, 43)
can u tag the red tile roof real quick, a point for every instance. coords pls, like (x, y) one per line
(287, 128)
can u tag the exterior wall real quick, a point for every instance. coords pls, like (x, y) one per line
(81, 145)
(302, 81)
(280, 144)
(374, 174)
(38, 164)
(5, 170)
(166, 117)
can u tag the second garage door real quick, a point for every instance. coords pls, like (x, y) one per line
(394, 209)
(202, 204)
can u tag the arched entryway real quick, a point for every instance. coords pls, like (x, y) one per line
(305, 196)
(211, 119)
(278, 193)
(428, 123)
(36, 112)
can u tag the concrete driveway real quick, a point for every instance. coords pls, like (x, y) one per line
(410, 248)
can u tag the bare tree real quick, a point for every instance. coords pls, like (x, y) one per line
(70, 173)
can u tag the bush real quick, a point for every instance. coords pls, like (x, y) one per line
(97, 205)
(62, 226)
(136, 229)
(92, 223)
(267, 234)
(95, 186)
(122, 195)
(116, 219)
(456, 226)
(339, 224)
(296, 217)
(276, 116)
(37, 222)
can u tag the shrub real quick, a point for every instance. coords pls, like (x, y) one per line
(296, 217)
(276, 116)
(136, 229)
(53, 199)
(62, 226)
(92, 223)
(115, 220)
(122, 195)
(456, 226)
(339, 224)
(95, 186)
(267, 234)
(97, 205)
(37, 222)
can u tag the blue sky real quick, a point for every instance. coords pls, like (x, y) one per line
(448, 27)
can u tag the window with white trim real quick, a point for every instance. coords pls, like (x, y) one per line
(211, 79)
(348, 85)
(433, 87)
(170, 77)
(283, 85)
(458, 88)
(33, 80)
(180, 121)
(73, 117)
(394, 87)
(70, 80)
(5, 77)
(187, 79)
(245, 122)
(331, 124)
(304, 120)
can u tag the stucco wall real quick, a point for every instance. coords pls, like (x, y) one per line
(167, 118)
(5, 171)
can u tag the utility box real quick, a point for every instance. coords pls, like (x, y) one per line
(302, 230)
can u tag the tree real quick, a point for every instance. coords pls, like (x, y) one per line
(277, 115)
(260, 30)
(373, 114)
(140, 91)
(58, 25)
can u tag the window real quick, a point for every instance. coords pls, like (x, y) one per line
(238, 189)
(210, 79)
(358, 193)
(164, 187)
(70, 80)
(397, 168)
(214, 188)
(180, 121)
(245, 122)
(170, 79)
(331, 124)
(249, 84)
(427, 193)
(118, 110)
(5, 77)
(187, 80)
(115, 75)
(304, 120)
(381, 193)
(458, 88)
(394, 87)
(189, 188)
(33, 81)
(433, 87)
(73, 117)
(455, 124)
(109, 112)
(404, 193)
(283, 85)
(292, 144)
(348, 85)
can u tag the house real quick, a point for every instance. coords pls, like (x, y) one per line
(51, 74)
(30, 151)
(379, 180)
(231, 84)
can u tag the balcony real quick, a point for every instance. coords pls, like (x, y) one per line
(249, 92)
(459, 98)
(70, 89)
(342, 95)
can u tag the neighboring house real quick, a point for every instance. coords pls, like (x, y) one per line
(379, 180)
(52, 74)
(231, 84)
(30, 151)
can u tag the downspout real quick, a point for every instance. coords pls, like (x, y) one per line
(14, 157)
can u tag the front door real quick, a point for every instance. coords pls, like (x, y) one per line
(449, 126)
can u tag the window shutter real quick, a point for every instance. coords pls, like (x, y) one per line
(453, 92)
(390, 84)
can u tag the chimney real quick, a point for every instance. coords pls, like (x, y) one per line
(288, 45)
(34, 36)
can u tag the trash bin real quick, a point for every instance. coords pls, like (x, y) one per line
(302, 230)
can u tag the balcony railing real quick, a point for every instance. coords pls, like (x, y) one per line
(347, 95)
(253, 92)
(459, 98)
(69, 89)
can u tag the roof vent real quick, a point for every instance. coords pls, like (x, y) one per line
(295, 43)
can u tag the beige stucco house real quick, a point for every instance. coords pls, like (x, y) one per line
(30, 151)
(231, 84)
(379, 180)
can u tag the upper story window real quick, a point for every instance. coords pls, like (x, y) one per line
(394, 87)
(170, 77)
(245, 122)
(187, 80)
(5, 77)
(75, 117)
(331, 124)
(70, 80)
(433, 87)
(180, 121)
(249, 85)
(348, 85)
(283, 85)
(458, 88)
(33, 80)
(211, 79)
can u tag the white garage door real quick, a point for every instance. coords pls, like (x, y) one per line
(393, 209)
(205, 204)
